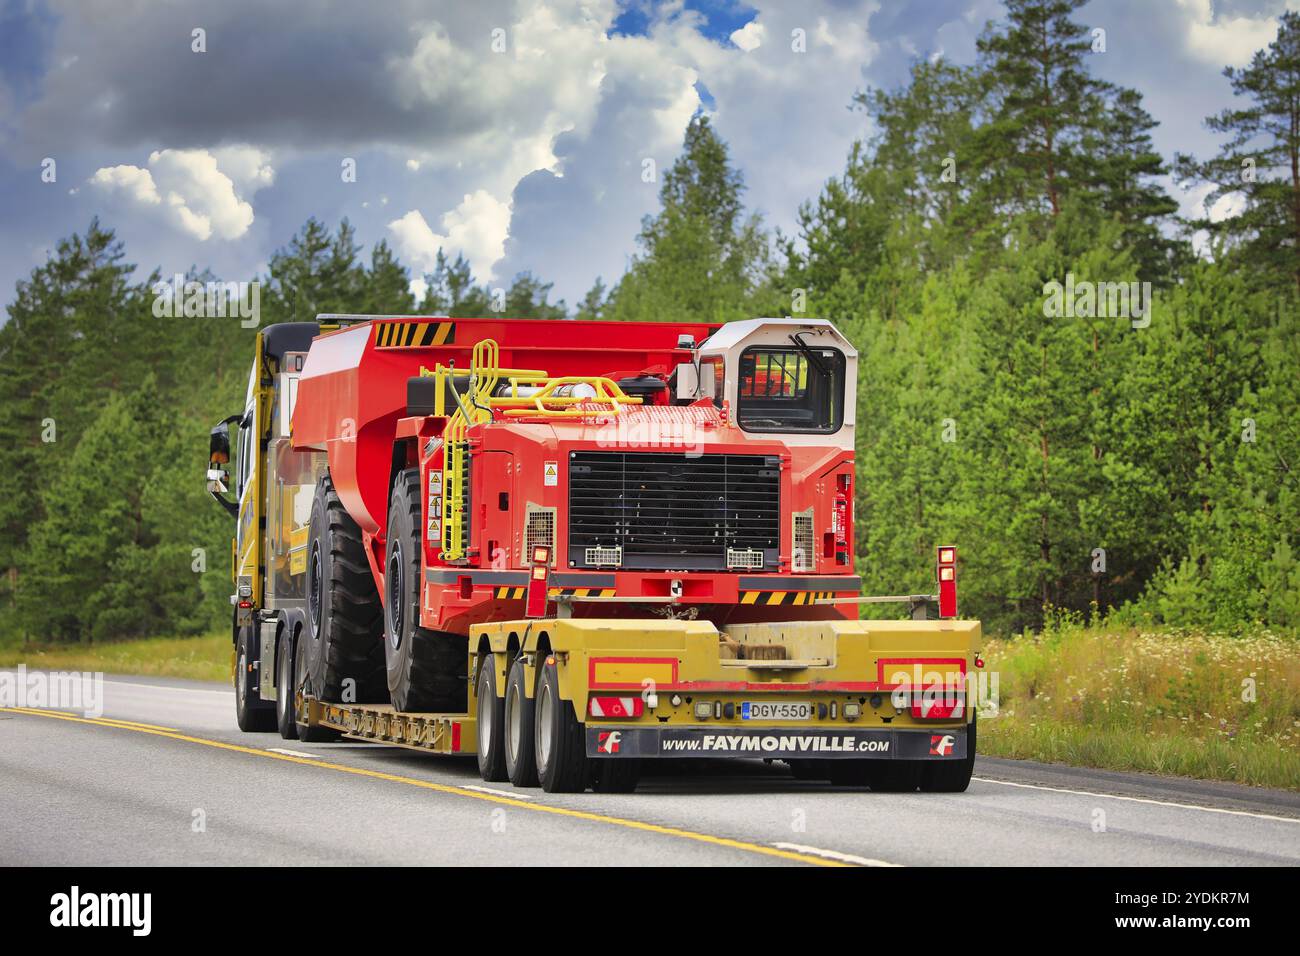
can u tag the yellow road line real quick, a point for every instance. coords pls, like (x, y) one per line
(458, 791)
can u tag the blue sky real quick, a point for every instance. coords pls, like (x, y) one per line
(515, 132)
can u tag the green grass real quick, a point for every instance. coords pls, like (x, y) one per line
(199, 658)
(1163, 701)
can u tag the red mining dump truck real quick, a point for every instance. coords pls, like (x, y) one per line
(571, 547)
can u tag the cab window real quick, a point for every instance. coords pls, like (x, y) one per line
(791, 389)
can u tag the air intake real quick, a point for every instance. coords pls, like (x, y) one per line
(675, 512)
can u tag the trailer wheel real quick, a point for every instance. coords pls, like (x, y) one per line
(894, 776)
(521, 764)
(302, 683)
(251, 713)
(561, 745)
(491, 714)
(941, 776)
(285, 688)
(426, 669)
(345, 626)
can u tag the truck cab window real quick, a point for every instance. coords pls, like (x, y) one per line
(791, 389)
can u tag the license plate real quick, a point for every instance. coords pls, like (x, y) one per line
(776, 710)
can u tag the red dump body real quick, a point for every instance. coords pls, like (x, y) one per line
(351, 403)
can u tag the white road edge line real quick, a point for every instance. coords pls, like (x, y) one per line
(516, 795)
(1159, 803)
(291, 753)
(833, 855)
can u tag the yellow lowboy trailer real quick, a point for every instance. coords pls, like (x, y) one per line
(857, 695)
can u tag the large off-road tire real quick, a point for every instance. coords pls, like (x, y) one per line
(285, 688)
(344, 619)
(559, 746)
(302, 684)
(490, 711)
(943, 776)
(253, 714)
(427, 670)
(521, 764)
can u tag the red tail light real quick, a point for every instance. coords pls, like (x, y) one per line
(947, 575)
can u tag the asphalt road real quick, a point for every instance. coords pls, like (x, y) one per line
(182, 785)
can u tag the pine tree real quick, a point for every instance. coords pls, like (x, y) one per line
(699, 259)
(1260, 162)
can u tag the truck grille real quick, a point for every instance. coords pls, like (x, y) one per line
(674, 512)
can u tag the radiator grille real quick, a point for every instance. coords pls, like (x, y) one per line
(674, 512)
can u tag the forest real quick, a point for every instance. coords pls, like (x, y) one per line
(1095, 398)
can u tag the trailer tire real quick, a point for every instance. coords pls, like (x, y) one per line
(302, 680)
(251, 713)
(560, 744)
(345, 625)
(285, 688)
(942, 776)
(426, 669)
(521, 763)
(895, 776)
(490, 710)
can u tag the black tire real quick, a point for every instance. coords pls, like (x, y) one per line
(344, 619)
(253, 714)
(615, 774)
(521, 763)
(306, 733)
(491, 718)
(560, 747)
(427, 670)
(285, 688)
(942, 776)
(894, 776)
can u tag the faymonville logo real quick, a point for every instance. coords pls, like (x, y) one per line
(74, 909)
(1085, 299)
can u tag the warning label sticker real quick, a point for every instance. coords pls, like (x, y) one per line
(550, 473)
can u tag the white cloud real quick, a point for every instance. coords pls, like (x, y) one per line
(750, 36)
(1224, 39)
(476, 228)
(189, 190)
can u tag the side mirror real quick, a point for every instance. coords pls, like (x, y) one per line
(219, 444)
(219, 454)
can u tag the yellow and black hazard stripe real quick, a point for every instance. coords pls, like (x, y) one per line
(413, 335)
(518, 593)
(783, 597)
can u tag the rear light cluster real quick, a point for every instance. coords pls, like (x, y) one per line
(947, 574)
(618, 707)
